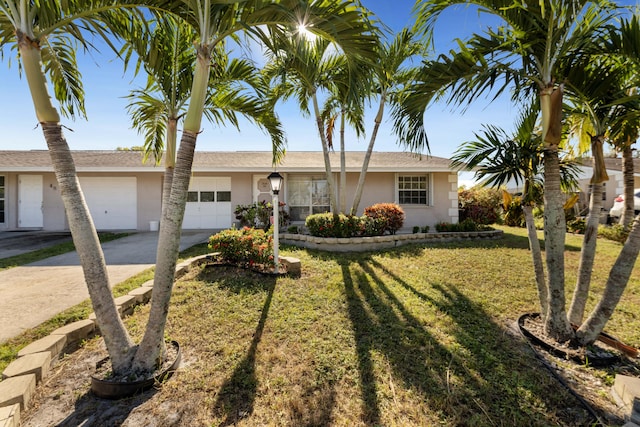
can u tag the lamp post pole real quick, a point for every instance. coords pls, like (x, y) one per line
(276, 226)
(275, 179)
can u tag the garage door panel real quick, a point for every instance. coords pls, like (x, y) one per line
(112, 201)
(206, 211)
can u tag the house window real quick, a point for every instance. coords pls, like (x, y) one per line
(307, 195)
(413, 189)
(223, 196)
(207, 196)
(1, 199)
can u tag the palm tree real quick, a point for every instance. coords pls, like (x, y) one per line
(340, 107)
(301, 68)
(389, 78)
(214, 21)
(498, 159)
(598, 94)
(46, 36)
(47, 32)
(156, 110)
(534, 50)
(625, 42)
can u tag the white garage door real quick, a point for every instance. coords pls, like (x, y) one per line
(208, 203)
(112, 202)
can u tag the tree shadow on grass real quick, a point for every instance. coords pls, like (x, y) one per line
(382, 324)
(238, 393)
(469, 372)
(495, 367)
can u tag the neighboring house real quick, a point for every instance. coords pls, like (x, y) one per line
(611, 188)
(124, 194)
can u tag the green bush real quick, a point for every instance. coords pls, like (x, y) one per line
(247, 247)
(258, 215)
(576, 225)
(416, 229)
(330, 225)
(466, 226)
(615, 232)
(390, 213)
(480, 204)
(373, 226)
(514, 214)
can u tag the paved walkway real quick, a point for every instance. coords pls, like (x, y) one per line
(34, 293)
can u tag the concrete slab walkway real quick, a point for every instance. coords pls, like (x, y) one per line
(34, 293)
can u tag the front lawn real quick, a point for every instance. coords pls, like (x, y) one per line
(412, 336)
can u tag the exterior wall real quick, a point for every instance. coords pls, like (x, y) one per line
(149, 190)
(379, 188)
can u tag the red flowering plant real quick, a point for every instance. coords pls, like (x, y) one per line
(246, 247)
(390, 214)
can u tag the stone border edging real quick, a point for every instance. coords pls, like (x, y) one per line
(23, 374)
(363, 244)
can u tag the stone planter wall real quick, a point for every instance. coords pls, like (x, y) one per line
(363, 244)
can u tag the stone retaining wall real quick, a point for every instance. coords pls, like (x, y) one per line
(363, 244)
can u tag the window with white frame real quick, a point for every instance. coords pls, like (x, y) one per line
(1, 199)
(307, 195)
(414, 190)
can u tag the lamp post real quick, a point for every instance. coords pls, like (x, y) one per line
(275, 179)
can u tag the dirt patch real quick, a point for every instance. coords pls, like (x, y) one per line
(588, 372)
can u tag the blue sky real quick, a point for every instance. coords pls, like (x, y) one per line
(108, 125)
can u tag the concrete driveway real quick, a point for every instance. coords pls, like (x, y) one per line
(34, 293)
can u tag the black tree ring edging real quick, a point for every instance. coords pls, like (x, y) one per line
(587, 357)
(107, 389)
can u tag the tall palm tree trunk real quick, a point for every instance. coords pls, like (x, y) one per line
(627, 175)
(556, 325)
(83, 232)
(536, 257)
(587, 256)
(616, 284)
(152, 345)
(89, 250)
(588, 252)
(343, 167)
(169, 159)
(325, 154)
(365, 164)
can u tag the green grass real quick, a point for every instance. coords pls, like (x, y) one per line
(418, 335)
(62, 248)
(412, 336)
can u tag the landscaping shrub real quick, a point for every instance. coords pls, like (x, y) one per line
(615, 232)
(373, 226)
(390, 213)
(576, 225)
(480, 204)
(258, 215)
(330, 225)
(514, 214)
(247, 247)
(466, 225)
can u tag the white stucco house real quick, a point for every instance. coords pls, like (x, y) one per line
(123, 193)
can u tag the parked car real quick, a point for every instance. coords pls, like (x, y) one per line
(618, 205)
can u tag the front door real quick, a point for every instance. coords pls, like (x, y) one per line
(30, 201)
